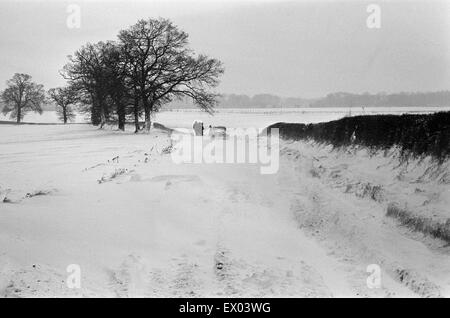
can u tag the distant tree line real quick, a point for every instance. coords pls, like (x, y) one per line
(426, 99)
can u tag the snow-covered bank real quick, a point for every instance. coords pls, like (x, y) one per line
(348, 194)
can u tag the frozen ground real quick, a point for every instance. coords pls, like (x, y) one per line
(138, 224)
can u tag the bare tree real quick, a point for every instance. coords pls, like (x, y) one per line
(86, 74)
(148, 67)
(189, 77)
(97, 71)
(145, 43)
(65, 98)
(21, 96)
(118, 89)
(162, 67)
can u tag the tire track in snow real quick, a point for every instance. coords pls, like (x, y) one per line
(277, 276)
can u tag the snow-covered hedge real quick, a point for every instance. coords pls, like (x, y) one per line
(415, 135)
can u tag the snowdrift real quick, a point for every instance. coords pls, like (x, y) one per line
(375, 208)
(401, 162)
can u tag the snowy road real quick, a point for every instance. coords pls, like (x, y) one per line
(139, 225)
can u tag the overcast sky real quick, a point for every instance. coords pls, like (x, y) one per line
(296, 48)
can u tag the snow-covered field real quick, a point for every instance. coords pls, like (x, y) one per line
(262, 118)
(137, 224)
(253, 117)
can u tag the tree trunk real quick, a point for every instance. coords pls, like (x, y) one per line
(121, 111)
(102, 115)
(136, 115)
(121, 116)
(19, 114)
(147, 110)
(65, 115)
(102, 118)
(95, 111)
(122, 123)
(148, 122)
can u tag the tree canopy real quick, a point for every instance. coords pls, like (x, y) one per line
(65, 98)
(21, 96)
(148, 66)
